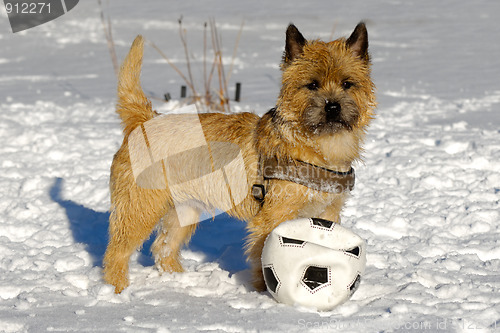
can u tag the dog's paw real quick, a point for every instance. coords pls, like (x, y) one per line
(169, 265)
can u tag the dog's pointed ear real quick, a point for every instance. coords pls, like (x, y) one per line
(294, 44)
(358, 41)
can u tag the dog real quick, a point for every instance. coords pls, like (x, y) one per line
(325, 104)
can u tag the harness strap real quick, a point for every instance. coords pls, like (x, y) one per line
(315, 177)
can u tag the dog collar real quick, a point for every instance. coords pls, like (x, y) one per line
(303, 173)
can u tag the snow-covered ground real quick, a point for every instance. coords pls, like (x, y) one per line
(426, 198)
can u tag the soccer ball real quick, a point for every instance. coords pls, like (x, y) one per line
(313, 262)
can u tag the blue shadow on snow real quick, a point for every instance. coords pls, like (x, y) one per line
(220, 239)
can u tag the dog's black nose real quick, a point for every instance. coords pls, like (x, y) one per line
(333, 108)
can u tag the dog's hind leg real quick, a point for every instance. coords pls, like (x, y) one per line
(130, 224)
(176, 229)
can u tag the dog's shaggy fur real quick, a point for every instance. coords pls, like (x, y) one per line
(325, 105)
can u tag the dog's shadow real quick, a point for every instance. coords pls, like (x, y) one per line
(220, 239)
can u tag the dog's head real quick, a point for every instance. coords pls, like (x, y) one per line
(326, 87)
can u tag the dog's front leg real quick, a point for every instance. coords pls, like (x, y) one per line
(284, 201)
(332, 211)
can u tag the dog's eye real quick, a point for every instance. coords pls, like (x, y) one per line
(347, 84)
(314, 85)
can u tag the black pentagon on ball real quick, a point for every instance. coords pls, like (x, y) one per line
(355, 284)
(315, 276)
(291, 241)
(272, 281)
(354, 251)
(322, 222)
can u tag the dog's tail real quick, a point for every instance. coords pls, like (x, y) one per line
(133, 107)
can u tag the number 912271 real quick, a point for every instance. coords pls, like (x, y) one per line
(28, 8)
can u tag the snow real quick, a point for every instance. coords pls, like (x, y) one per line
(426, 198)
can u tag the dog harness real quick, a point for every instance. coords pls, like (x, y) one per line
(315, 177)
